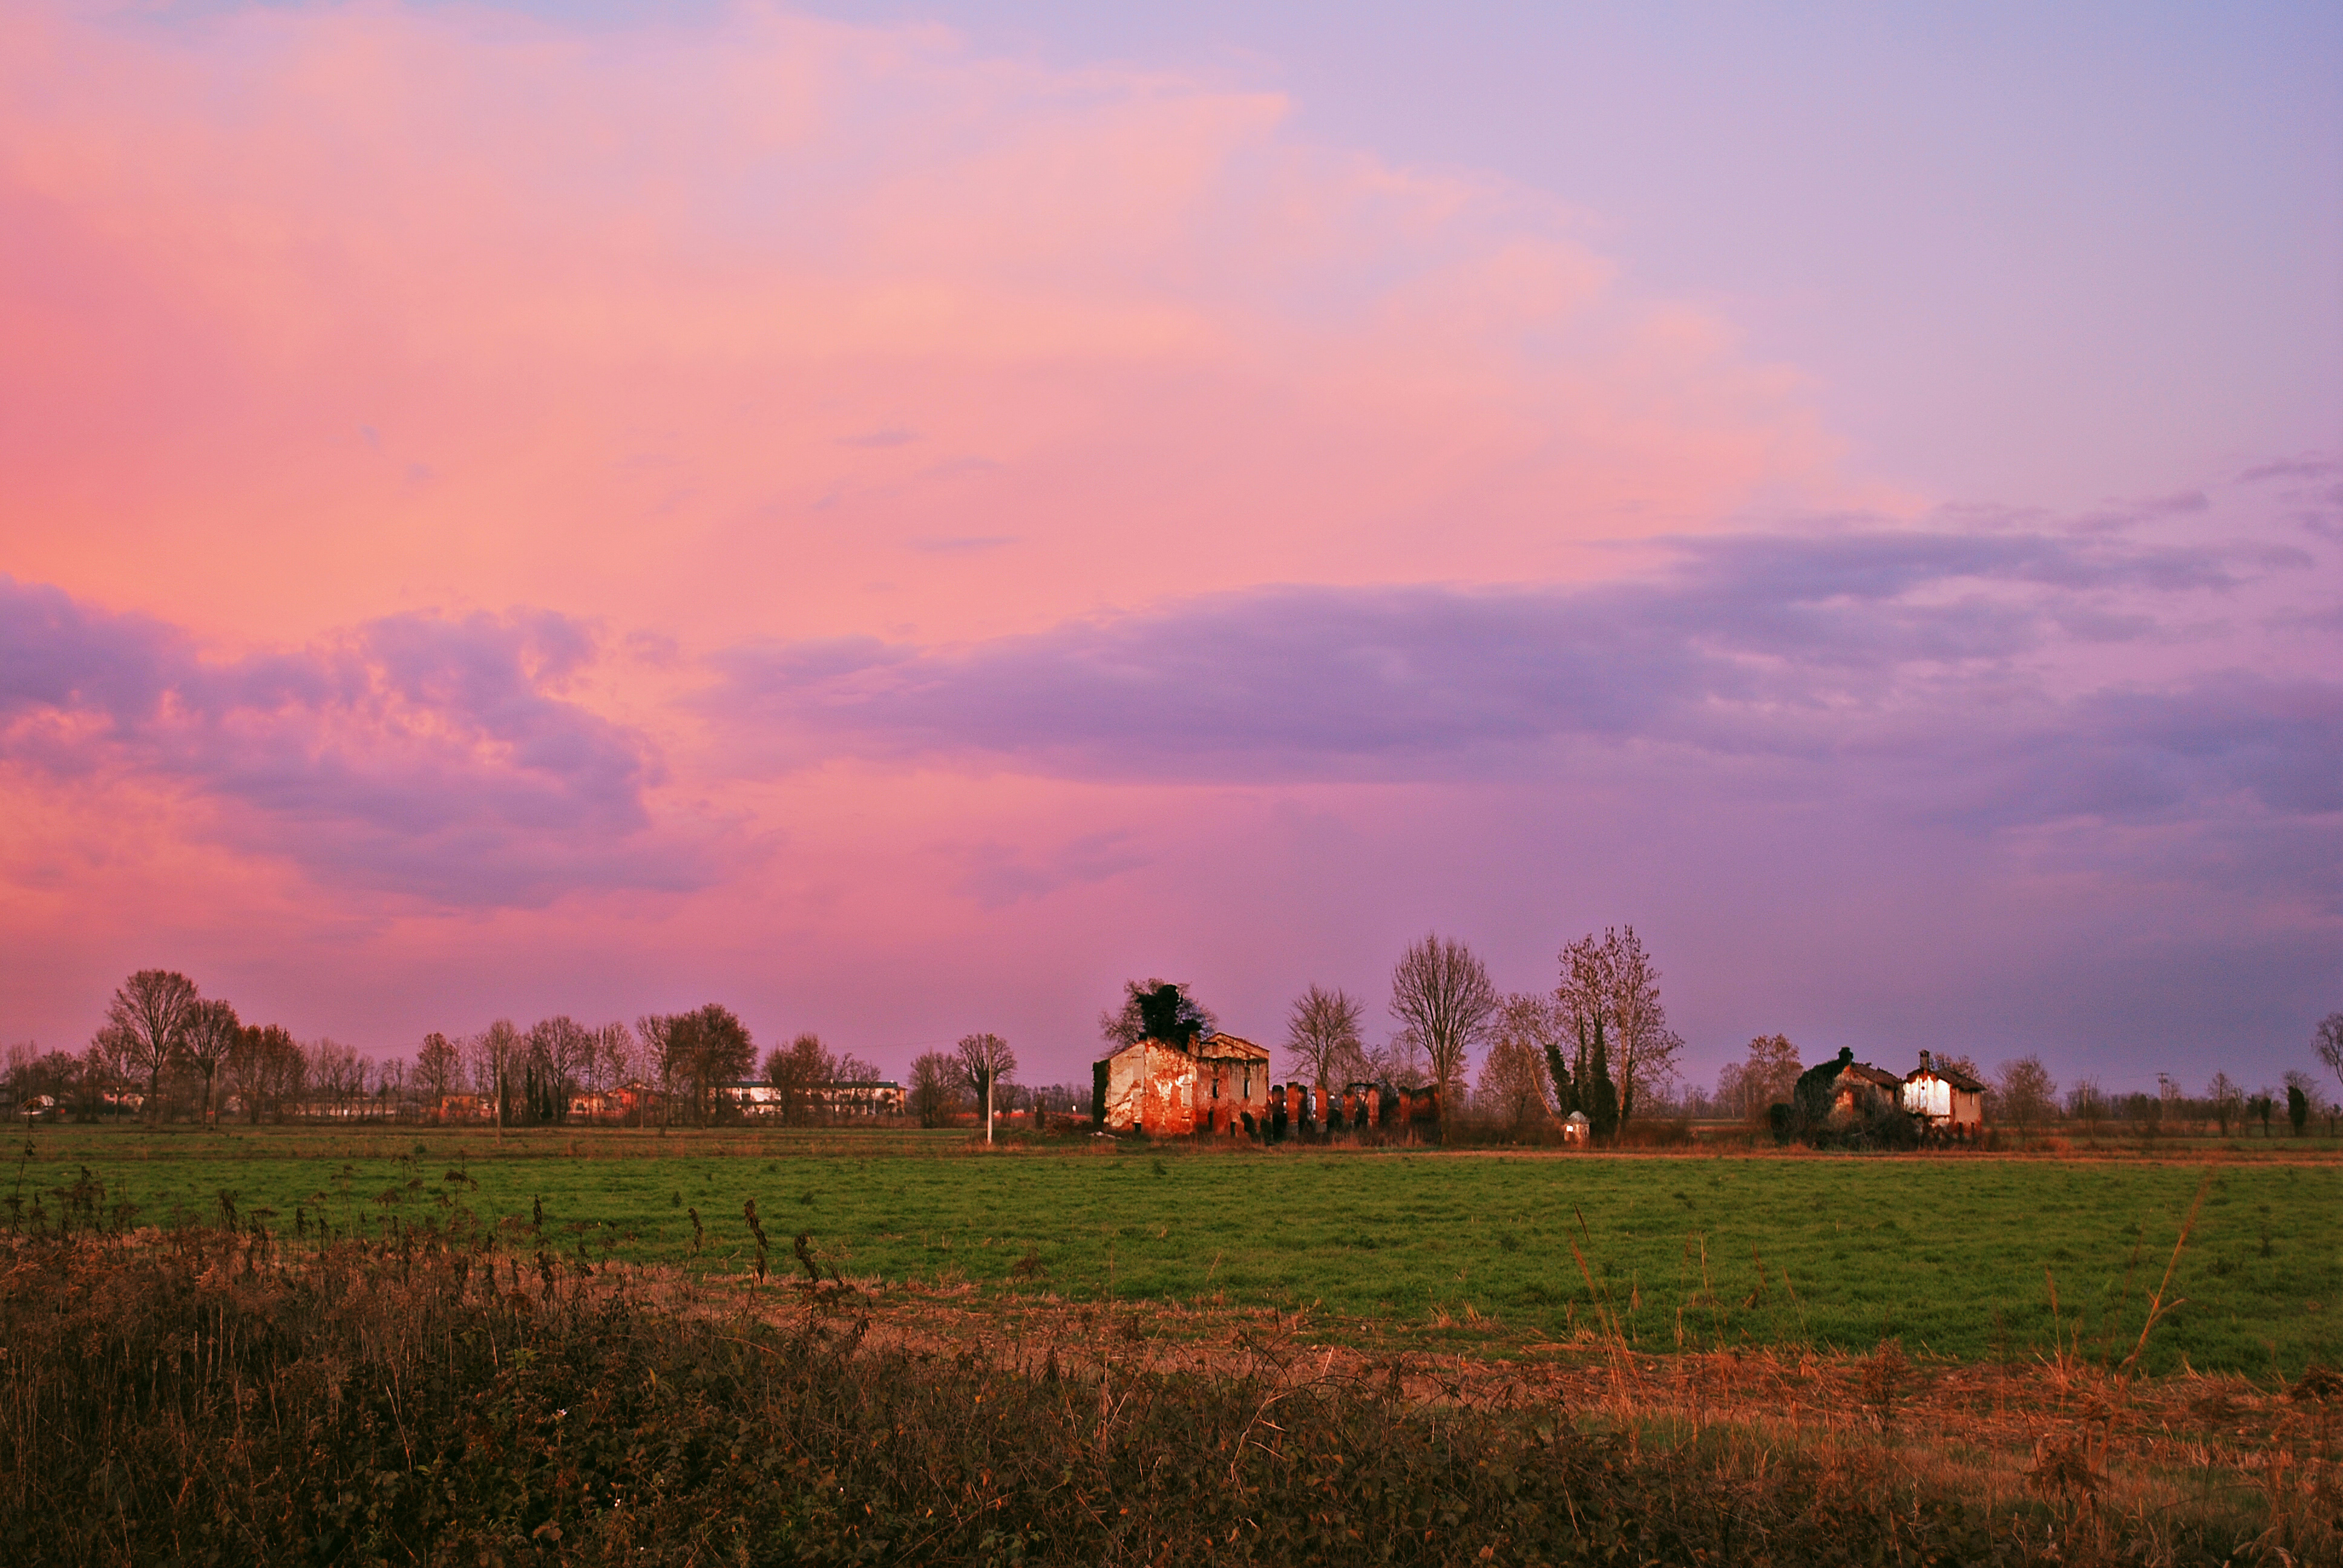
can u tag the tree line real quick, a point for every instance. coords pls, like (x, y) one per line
(167, 1051)
(2021, 1094)
(195, 1054)
(164, 1043)
(1598, 1043)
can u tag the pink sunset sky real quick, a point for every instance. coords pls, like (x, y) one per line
(900, 519)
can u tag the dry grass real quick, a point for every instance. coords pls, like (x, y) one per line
(468, 1394)
(2076, 1439)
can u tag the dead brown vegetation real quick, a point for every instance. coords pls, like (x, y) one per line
(464, 1395)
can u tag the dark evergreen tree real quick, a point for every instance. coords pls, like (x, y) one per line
(1602, 1096)
(1565, 1086)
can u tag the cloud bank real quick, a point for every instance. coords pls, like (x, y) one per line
(1924, 663)
(417, 754)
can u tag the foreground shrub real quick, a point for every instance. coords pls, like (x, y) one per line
(204, 1398)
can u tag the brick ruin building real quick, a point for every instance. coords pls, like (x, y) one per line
(1221, 1085)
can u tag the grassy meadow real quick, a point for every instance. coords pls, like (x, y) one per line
(1952, 1256)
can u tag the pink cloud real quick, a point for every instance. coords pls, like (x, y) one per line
(619, 307)
(432, 758)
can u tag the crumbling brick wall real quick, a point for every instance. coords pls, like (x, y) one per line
(1165, 1091)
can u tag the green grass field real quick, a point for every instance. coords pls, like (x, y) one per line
(1949, 1254)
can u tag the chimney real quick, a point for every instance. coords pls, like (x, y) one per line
(1924, 1062)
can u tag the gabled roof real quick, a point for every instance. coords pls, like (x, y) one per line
(1960, 1080)
(1227, 1047)
(1871, 1075)
(1210, 1048)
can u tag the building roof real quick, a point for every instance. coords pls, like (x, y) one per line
(1958, 1079)
(1210, 1048)
(1230, 1046)
(1871, 1075)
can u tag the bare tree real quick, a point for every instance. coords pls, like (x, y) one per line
(147, 1025)
(2328, 1039)
(1586, 999)
(984, 1060)
(651, 1031)
(1767, 1077)
(2086, 1103)
(1398, 1059)
(1441, 993)
(337, 1073)
(1322, 1033)
(1536, 1021)
(1609, 998)
(495, 1054)
(616, 1057)
(212, 1030)
(2225, 1097)
(1513, 1084)
(1582, 1001)
(1965, 1066)
(33, 1074)
(2025, 1090)
(561, 1052)
(1646, 1047)
(263, 1070)
(285, 1067)
(436, 1066)
(106, 1067)
(935, 1088)
(390, 1084)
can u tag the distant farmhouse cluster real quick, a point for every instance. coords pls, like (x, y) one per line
(1852, 1102)
(641, 1104)
(1220, 1085)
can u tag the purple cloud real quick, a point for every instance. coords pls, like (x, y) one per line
(1796, 645)
(1925, 679)
(420, 754)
